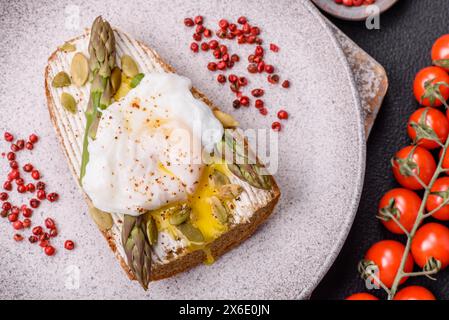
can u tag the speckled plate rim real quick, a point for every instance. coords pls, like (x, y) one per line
(347, 224)
(350, 13)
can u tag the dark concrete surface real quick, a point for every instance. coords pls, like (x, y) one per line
(402, 45)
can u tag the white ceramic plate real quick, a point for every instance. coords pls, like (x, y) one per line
(322, 151)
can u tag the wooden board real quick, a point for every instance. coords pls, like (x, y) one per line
(370, 77)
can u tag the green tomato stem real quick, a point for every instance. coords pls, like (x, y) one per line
(421, 273)
(419, 219)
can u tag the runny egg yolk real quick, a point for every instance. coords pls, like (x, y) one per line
(201, 217)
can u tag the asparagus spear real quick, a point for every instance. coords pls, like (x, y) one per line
(101, 63)
(241, 166)
(137, 248)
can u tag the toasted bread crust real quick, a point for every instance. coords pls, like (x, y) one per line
(221, 245)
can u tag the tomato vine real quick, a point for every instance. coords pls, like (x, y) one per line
(402, 211)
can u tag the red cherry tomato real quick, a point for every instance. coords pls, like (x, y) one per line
(431, 241)
(431, 86)
(434, 200)
(414, 293)
(387, 255)
(361, 296)
(413, 160)
(404, 205)
(440, 52)
(428, 121)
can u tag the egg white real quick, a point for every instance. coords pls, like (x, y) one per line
(149, 145)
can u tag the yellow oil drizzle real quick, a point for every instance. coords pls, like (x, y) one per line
(209, 257)
(155, 123)
(164, 169)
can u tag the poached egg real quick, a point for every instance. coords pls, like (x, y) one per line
(149, 146)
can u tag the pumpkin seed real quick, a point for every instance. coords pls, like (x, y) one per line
(102, 219)
(79, 69)
(60, 80)
(218, 179)
(218, 209)
(151, 229)
(68, 102)
(136, 80)
(190, 232)
(230, 191)
(116, 79)
(68, 47)
(226, 119)
(129, 67)
(124, 88)
(180, 215)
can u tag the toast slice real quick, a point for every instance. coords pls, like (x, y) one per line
(254, 207)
